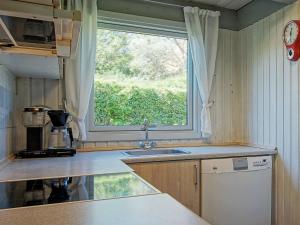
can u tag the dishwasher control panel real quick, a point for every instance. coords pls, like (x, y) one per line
(261, 162)
(236, 164)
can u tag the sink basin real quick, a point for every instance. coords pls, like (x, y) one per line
(156, 152)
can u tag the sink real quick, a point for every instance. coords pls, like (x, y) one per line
(156, 152)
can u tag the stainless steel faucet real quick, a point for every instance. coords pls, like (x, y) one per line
(146, 144)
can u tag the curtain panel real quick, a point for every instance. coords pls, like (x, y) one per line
(79, 71)
(202, 28)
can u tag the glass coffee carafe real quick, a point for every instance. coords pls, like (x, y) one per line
(61, 135)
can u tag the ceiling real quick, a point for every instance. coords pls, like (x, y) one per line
(229, 4)
(235, 14)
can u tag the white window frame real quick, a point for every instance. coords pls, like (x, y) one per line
(139, 24)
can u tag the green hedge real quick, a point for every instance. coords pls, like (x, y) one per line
(117, 105)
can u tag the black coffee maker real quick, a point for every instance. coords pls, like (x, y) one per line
(61, 136)
(35, 120)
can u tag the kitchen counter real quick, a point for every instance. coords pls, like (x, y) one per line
(206, 152)
(150, 209)
(147, 210)
(107, 162)
(79, 165)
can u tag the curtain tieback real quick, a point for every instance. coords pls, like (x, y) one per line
(208, 104)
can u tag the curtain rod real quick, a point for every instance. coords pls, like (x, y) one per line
(164, 3)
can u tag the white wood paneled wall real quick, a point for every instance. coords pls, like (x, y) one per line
(7, 96)
(270, 89)
(225, 112)
(35, 92)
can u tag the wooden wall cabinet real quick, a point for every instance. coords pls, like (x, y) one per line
(180, 179)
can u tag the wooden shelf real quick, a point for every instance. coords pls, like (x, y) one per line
(55, 3)
(29, 51)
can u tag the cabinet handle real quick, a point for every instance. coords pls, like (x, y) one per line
(196, 175)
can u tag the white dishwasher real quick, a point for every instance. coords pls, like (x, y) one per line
(237, 191)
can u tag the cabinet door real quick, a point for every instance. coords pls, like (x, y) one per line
(180, 179)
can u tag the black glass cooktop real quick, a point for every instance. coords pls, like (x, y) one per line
(68, 189)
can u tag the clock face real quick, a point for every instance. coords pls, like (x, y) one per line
(291, 33)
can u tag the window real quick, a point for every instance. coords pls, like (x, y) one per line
(141, 73)
(140, 76)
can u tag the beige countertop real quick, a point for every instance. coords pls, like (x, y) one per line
(144, 210)
(106, 162)
(206, 152)
(80, 165)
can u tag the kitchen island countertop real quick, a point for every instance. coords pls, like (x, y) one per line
(159, 209)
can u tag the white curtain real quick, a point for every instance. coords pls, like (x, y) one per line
(202, 27)
(79, 72)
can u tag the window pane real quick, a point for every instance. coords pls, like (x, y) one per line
(140, 76)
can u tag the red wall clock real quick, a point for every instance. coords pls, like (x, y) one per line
(292, 40)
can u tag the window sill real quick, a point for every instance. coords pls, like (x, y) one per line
(98, 136)
(129, 145)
